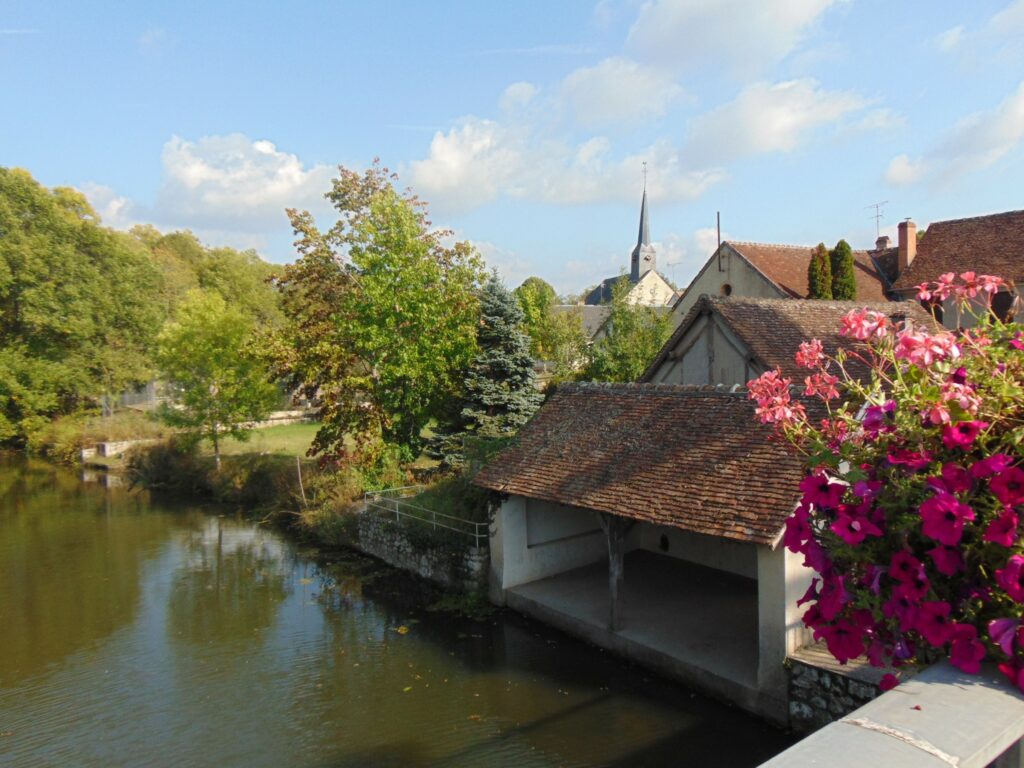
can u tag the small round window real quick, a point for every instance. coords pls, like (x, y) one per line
(726, 289)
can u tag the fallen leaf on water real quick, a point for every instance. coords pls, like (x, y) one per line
(305, 581)
(475, 717)
(407, 689)
(402, 630)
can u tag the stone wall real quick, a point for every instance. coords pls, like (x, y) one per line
(443, 557)
(820, 696)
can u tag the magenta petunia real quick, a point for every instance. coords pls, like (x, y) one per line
(948, 560)
(903, 609)
(962, 434)
(1003, 530)
(933, 622)
(798, 530)
(943, 516)
(888, 682)
(904, 566)
(810, 594)
(952, 479)
(821, 491)
(992, 465)
(966, 651)
(1011, 578)
(1008, 486)
(1003, 632)
(913, 460)
(853, 529)
(832, 597)
(1014, 673)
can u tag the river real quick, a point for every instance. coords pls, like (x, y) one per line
(137, 632)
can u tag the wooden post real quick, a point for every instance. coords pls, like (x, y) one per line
(615, 530)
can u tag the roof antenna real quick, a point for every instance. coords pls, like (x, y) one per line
(878, 216)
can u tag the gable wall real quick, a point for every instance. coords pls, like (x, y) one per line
(706, 354)
(651, 291)
(737, 272)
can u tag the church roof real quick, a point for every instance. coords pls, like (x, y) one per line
(644, 236)
(694, 458)
(591, 316)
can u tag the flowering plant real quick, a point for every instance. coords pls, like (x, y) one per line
(910, 514)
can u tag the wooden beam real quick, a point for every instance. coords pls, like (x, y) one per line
(615, 529)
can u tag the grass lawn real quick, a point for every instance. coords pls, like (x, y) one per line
(287, 440)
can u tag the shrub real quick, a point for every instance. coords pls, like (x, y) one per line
(911, 512)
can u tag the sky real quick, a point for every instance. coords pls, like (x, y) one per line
(526, 125)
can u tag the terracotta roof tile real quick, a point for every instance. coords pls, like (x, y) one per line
(772, 329)
(786, 266)
(988, 245)
(694, 458)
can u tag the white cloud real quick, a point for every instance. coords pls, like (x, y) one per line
(517, 96)
(742, 35)
(618, 90)
(113, 209)
(950, 39)
(680, 257)
(222, 180)
(976, 142)
(767, 118)
(512, 267)
(903, 171)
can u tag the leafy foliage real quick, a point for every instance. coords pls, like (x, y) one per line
(819, 274)
(844, 282)
(220, 385)
(381, 317)
(633, 336)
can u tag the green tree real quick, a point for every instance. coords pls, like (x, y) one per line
(500, 386)
(633, 336)
(844, 282)
(537, 298)
(819, 274)
(381, 342)
(219, 384)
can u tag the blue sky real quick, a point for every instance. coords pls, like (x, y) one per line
(525, 124)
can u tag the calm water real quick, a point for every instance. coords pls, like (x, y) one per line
(138, 633)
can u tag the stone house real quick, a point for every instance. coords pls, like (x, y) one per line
(733, 340)
(765, 271)
(985, 245)
(647, 519)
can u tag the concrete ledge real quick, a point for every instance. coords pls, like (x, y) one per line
(941, 718)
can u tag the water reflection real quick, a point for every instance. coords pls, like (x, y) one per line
(135, 633)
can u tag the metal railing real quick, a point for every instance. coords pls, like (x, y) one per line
(391, 503)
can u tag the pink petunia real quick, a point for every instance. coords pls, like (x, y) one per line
(798, 530)
(903, 609)
(1003, 633)
(1003, 530)
(1008, 486)
(948, 560)
(966, 651)
(1014, 673)
(1011, 578)
(943, 516)
(992, 465)
(853, 529)
(821, 491)
(962, 434)
(832, 597)
(933, 622)
(913, 460)
(952, 479)
(905, 567)
(888, 682)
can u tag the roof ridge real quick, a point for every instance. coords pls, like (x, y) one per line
(974, 218)
(644, 386)
(768, 245)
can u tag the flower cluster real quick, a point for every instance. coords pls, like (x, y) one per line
(911, 512)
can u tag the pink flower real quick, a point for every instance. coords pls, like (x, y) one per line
(990, 284)
(1003, 632)
(774, 403)
(798, 530)
(1014, 673)
(933, 622)
(853, 529)
(823, 385)
(1011, 578)
(810, 354)
(993, 465)
(912, 460)
(862, 324)
(923, 292)
(820, 491)
(905, 567)
(948, 560)
(970, 287)
(966, 651)
(954, 479)
(944, 286)
(1003, 530)
(810, 594)
(879, 418)
(832, 597)
(943, 516)
(962, 434)
(922, 349)
(903, 609)
(888, 682)
(845, 638)
(1008, 486)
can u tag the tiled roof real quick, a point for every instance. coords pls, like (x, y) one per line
(988, 245)
(786, 266)
(592, 316)
(694, 458)
(772, 329)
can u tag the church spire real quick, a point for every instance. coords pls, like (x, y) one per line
(642, 259)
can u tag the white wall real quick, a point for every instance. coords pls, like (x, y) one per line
(732, 556)
(781, 581)
(736, 272)
(562, 536)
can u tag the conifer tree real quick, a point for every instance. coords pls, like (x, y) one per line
(819, 274)
(844, 284)
(500, 392)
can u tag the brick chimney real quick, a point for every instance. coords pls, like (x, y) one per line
(882, 243)
(908, 244)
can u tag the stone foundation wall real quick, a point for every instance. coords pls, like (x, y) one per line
(818, 696)
(441, 556)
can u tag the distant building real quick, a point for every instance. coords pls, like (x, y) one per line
(648, 287)
(985, 245)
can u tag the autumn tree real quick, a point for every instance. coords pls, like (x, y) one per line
(844, 281)
(633, 335)
(381, 317)
(218, 384)
(819, 274)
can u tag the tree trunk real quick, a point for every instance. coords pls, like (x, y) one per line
(615, 530)
(216, 447)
